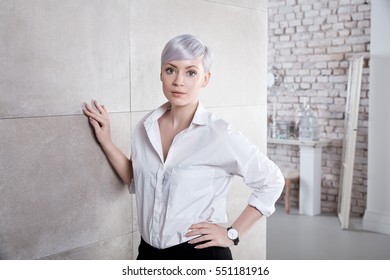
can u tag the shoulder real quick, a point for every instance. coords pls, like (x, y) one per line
(237, 149)
(218, 124)
(225, 129)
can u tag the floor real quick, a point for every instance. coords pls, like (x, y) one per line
(299, 237)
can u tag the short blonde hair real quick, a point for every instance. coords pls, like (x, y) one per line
(187, 47)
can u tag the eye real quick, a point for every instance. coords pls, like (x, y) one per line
(169, 70)
(191, 73)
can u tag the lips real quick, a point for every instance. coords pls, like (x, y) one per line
(177, 93)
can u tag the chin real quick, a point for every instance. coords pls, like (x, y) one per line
(182, 103)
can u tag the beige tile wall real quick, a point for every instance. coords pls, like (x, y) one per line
(58, 191)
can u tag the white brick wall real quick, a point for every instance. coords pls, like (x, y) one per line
(310, 44)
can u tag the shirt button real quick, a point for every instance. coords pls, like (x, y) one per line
(165, 178)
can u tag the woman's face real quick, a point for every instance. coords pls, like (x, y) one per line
(182, 81)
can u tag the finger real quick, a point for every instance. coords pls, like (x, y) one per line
(205, 245)
(195, 232)
(94, 123)
(99, 107)
(87, 112)
(200, 229)
(97, 117)
(199, 239)
(199, 225)
(90, 112)
(87, 108)
(192, 233)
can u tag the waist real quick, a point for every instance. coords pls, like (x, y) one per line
(183, 251)
(167, 233)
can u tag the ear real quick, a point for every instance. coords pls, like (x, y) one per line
(161, 75)
(206, 80)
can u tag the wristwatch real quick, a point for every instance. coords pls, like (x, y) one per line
(233, 235)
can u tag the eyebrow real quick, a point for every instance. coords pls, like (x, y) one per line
(185, 68)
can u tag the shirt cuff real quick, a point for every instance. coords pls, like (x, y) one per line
(265, 210)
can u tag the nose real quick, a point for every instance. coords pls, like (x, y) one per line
(179, 80)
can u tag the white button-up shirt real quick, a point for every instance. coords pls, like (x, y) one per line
(191, 186)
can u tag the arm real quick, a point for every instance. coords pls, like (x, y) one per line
(260, 174)
(247, 219)
(267, 181)
(101, 124)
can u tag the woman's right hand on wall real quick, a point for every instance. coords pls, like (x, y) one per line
(100, 121)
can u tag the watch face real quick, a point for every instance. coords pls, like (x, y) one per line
(232, 233)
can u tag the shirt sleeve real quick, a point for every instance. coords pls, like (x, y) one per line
(267, 182)
(258, 172)
(135, 136)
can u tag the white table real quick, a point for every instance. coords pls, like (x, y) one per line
(309, 173)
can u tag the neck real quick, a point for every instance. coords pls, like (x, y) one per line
(181, 116)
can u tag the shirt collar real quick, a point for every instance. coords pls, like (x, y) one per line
(201, 116)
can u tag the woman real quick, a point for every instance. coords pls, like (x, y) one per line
(183, 159)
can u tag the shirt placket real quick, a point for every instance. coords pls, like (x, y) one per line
(162, 186)
(159, 205)
(162, 192)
